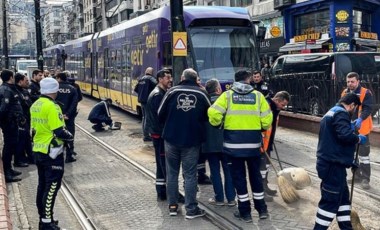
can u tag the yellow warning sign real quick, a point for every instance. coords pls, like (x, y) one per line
(179, 44)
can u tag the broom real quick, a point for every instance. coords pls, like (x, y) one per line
(355, 220)
(287, 191)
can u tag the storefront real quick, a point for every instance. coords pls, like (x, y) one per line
(274, 37)
(332, 25)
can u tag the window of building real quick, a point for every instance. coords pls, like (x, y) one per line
(240, 3)
(361, 21)
(317, 22)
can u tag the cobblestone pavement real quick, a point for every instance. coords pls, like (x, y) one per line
(116, 196)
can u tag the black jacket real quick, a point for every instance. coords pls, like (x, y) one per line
(34, 90)
(100, 113)
(67, 98)
(184, 113)
(25, 100)
(263, 87)
(337, 140)
(10, 106)
(214, 135)
(153, 125)
(143, 88)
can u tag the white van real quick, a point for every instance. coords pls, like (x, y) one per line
(22, 66)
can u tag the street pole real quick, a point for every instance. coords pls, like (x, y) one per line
(177, 25)
(5, 35)
(40, 57)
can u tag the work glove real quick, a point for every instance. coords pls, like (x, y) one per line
(355, 165)
(358, 123)
(362, 139)
(353, 126)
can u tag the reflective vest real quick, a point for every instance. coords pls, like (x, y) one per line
(243, 117)
(367, 124)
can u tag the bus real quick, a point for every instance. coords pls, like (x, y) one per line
(221, 40)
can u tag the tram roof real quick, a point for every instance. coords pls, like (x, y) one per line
(57, 46)
(82, 39)
(190, 13)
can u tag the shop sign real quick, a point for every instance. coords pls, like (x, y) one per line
(304, 37)
(342, 16)
(368, 35)
(310, 41)
(275, 31)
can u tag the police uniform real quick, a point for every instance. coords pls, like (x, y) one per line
(24, 147)
(11, 119)
(34, 90)
(67, 98)
(49, 135)
(244, 112)
(262, 87)
(335, 153)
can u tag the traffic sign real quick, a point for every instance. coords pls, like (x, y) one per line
(180, 44)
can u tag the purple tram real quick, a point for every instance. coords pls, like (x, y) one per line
(221, 40)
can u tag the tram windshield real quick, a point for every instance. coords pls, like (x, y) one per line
(220, 52)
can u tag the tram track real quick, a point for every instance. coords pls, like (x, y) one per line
(84, 219)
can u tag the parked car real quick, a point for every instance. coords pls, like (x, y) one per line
(316, 80)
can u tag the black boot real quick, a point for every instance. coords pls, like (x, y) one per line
(48, 226)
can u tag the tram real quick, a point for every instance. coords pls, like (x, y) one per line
(221, 40)
(53, 56)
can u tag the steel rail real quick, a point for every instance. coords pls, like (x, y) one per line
(214, 217)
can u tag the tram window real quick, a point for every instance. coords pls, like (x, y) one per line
(167, 55)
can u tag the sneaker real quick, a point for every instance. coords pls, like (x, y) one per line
(198, 213)
(173, 209)
(204, 179)
(268, 198)
(70, 160)
(263, 215)
(49, 226)
(214, 202)
(246, 218)
(15, 172)
(268, 191)
(365, 184)
(181, 199)
(232, 203)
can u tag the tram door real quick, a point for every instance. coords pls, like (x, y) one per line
(127, 86)
(107, 72)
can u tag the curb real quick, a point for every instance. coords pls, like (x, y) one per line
(5, 219)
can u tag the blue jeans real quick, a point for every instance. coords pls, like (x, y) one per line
(189, 158)
(215, 160)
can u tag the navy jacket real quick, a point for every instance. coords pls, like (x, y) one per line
(10, 107)
(214, 135)
(184, 113)
(100, 113)
(34, 90)
(153, 125)
(67, 98)
(337, 140)
(143, 88)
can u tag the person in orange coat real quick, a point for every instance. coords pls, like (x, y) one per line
(362, 120)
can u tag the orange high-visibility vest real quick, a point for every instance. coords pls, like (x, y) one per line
(367, 124)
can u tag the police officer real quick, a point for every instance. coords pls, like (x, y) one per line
(67, 98)
(72, 82)
(258, 83)
(11, 118)
(335, 153)
(49, 130)
(363, 124)
(34, 87)
(244, 112)
(143, 88)
(24, 148)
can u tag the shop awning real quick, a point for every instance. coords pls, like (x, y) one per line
(302, 45)
(367, 42)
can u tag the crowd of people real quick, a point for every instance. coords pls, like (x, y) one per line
(231, 129)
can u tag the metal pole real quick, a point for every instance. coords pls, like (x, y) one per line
(40, 57)
(5, 35)
(177, 25)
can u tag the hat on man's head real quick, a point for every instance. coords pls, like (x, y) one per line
(49, 85)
